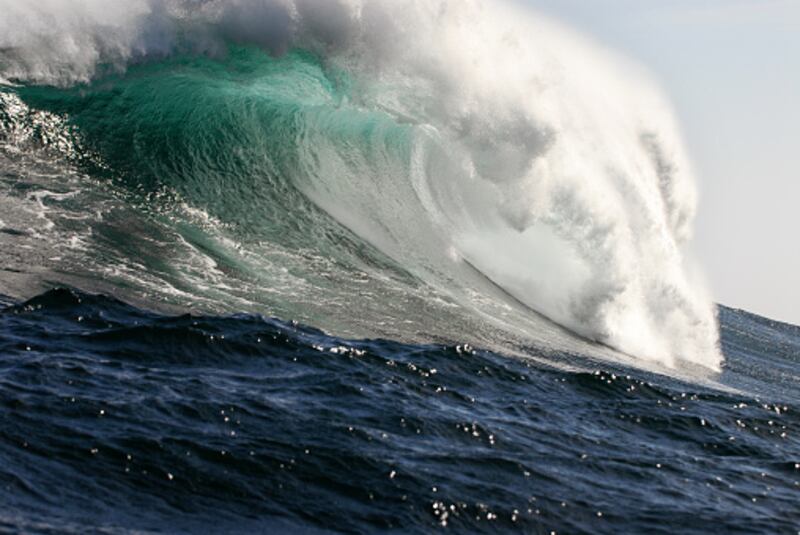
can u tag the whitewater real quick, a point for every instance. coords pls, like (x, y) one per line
(466, 171)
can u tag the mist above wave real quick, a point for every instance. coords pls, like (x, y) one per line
(63, 42)
(546, 163)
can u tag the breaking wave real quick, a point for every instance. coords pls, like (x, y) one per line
(412, 169)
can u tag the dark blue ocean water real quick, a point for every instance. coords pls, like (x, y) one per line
(118, 420)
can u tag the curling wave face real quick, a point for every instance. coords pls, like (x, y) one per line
(409, 169)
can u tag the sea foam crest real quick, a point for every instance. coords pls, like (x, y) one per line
(548, 164)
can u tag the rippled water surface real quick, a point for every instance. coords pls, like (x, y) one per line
(114, 419)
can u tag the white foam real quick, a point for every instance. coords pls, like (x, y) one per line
(556, 169)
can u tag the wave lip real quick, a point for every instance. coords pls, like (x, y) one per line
(463, 140)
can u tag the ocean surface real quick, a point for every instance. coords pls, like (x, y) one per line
(118, 420)
(363, 266)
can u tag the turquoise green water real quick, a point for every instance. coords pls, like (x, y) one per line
(228, 136)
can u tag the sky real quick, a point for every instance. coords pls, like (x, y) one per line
(732, 71)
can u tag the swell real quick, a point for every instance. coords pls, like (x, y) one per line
(374, 155)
